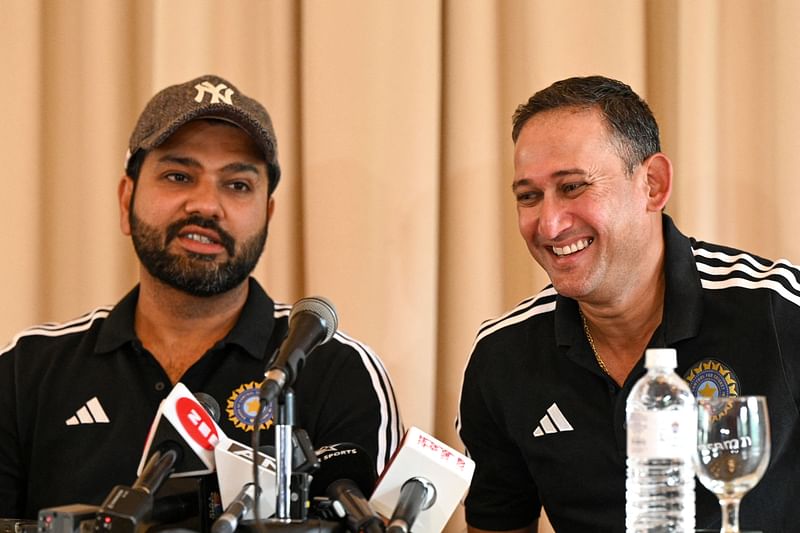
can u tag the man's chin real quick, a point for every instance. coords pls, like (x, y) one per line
(569, 288)
(203, 280)
(204, 259)
(204, 290)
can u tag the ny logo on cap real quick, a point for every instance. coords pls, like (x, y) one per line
(219, 93)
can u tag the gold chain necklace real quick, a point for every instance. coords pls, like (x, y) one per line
(591, 343)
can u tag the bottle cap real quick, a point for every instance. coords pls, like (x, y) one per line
(660, 358)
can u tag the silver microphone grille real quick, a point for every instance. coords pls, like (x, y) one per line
(320, 307)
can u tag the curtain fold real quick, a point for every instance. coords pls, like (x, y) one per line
(393, 123)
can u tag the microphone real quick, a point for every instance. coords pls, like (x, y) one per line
(191, 503)
(234, 470)
(346, 474)
(423, 484)
(180, 442)
(209, 404)
(358, 513)
(157, 469)
(126, 509)
(312, 322)
(234, 462)
(240, 506)
(183, 423)
(417, 494)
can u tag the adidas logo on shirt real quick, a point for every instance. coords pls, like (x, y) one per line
(91, 413)
(552, 422)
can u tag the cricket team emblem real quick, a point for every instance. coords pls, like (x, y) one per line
(242, 407)
(711, 378)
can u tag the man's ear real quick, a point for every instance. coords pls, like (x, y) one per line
(659, 181)
(270, 208)
(125, 196)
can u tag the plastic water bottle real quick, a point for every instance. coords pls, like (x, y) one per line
(662, 435)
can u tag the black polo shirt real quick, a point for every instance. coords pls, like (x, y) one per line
(77, 399)
(545, 425)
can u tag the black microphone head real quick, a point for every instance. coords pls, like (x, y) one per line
(321, 308)
(209, 404)
(343, 461)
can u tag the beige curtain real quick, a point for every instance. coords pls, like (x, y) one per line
(393, 120)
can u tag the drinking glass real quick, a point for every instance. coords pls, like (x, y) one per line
(733, 447)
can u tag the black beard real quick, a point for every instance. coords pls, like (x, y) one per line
(195, 274)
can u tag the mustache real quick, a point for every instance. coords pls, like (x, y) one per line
(226, 239)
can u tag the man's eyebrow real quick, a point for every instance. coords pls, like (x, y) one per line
(238, 166)
(557, 174)
(181, 160)
(241, 167)
(519, 183)
(569, 172)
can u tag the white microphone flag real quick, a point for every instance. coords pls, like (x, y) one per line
(422, 455)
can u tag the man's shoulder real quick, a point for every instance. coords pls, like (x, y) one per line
(340, 343)
(529, 312)
(723, 267)
(351, 345)
(722, 255)
(343, 351)
(56, 336)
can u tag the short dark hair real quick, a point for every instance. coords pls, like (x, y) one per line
(134, 166)
(629, 118)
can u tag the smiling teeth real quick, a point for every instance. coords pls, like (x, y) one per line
(572, 248)
(199, 238)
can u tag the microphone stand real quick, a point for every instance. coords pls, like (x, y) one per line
(285, 520)
(283, 455)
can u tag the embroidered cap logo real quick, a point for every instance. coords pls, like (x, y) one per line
(218, 93)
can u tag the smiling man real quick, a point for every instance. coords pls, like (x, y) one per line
(543, 401)
(77, 399)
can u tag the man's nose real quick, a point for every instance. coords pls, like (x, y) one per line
(554, 217)
(204, 199)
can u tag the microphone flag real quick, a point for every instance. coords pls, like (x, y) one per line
(182, 420)
(235, 469)
(422, 455)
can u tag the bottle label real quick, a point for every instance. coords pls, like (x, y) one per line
(661, 435)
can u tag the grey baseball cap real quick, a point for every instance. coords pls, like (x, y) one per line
(208, 96)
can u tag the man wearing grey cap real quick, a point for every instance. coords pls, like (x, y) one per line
(77, 399)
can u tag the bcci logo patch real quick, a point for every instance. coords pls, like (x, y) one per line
(710, 379)
(242, 407)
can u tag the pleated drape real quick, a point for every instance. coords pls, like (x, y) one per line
(393, 123)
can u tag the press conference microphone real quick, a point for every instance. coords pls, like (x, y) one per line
(420, 462)
(346, 474)
(234, 462)
(358, 514)
(187, 423)
(127, 508)
(158, 468)
(312, 322)
(417, 494)
(210, 404)
(240, 506)
(181, 441)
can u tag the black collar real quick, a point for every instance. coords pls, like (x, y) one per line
(251, 331)
(683, 298)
